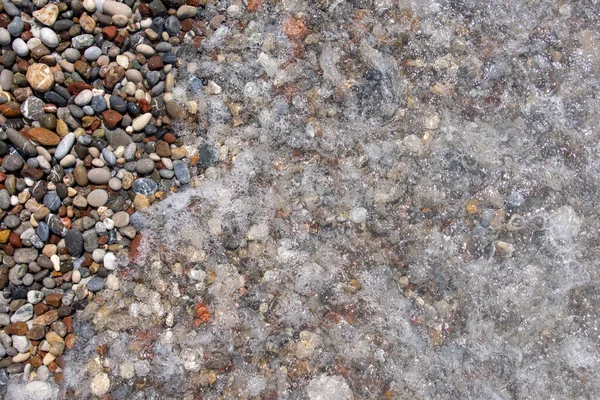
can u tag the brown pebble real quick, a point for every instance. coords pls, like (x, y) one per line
(54, 299)
(17, 328)
(40, 308)
(35, 361)
(15, 240)
(37, 332)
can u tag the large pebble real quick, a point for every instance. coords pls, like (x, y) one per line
(144, 186)
(47, 15)
(97, 198)
(84, 98)
(99, 176)
(23, 314)
(145, 166)
(110, 7)
(92, 53)
(184, 12)
(49, 37)
(65, 145)
(140, 122)
(110, 261)
(181, 172)
(20, 47)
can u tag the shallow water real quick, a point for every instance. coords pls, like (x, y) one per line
(404, 206)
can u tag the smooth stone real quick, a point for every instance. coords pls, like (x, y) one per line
(115, 184)
(92, 53)
(20, 47)
(72, 55)
(65, 145)
(140, 122)
(5, 200)
(181, 172)
(144, 186)
(13, 162)
(99, 176)
(111, 8)
(4, 37)
(185, 11)
(74, 242)
(110, 261)
(97, 198)
(99, 104)
(95, 284)
(84, 98)
(49, 37)
(145, 166)
(109, 157)
(23, 314)
(52, 201)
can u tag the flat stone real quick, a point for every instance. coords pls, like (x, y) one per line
(23, 314)
(97, 198)
(95, 284)
(25, 255)
(99, 176)
(74, 242)
(47, 15)
(145, 166)
(65, 145)
(182, 172)
(44, 136)
(144, 186)
(40, 77)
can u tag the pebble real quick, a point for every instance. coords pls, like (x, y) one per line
(48, 37)
(144, 186)
(145, 166)
(84, 97)
(110, 7)
(181, 172)
(95, 284)
(20, 47)
(110, 261)
(97, 198)
(99, 176)
(92, 53)
(65, 145)
(23, 314)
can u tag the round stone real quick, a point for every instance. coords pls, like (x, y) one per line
(40, 77)
(20, 47)
(121, 219)
(145, 166)
(95, 284)
(144, 186)
(97, 198)
(12, 162)
(114, 184)
(48, 37)
(84, 98)
(92, 53)
(110, 261)
(99, 176)
(98, 103)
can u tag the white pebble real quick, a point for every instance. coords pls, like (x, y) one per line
(110, 261)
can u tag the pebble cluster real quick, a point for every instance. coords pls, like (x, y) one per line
(86, 107)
